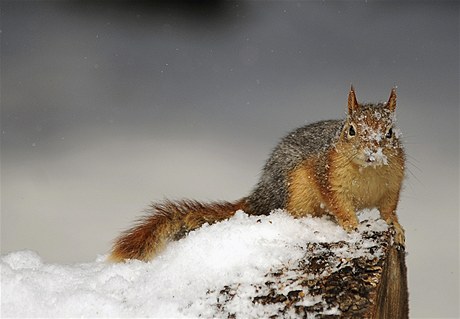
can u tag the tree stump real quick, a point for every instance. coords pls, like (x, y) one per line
(364, 278)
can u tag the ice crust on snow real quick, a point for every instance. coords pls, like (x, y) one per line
(178, 282)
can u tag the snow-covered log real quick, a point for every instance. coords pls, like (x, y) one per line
(346, 279)
(245, 267)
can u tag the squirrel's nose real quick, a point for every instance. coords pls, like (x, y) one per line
(370, 155)
(375, 156)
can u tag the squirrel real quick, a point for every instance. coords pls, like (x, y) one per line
(332, 167)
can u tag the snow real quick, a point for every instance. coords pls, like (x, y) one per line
(180, 281)
(375, 157)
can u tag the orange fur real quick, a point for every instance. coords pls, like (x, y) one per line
(348, 189)
(168, 220)
(304, 192)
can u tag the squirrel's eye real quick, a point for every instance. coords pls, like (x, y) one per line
(351, 131)
(389, 133)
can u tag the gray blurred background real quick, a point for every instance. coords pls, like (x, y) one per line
(106, 106)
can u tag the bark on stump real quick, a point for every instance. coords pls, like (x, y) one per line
(358, 279)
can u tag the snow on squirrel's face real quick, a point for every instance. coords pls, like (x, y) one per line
(371, 136)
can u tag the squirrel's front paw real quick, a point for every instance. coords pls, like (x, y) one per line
(349, 224)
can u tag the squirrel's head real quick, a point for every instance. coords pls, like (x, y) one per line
(369, 135)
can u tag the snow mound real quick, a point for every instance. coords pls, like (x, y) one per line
(176, 283)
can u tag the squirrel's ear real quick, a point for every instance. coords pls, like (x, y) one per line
(352, 102)
(391, 104)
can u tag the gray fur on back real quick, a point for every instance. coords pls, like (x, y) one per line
(305, 142)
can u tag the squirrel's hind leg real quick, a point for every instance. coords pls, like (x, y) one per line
(387, 210)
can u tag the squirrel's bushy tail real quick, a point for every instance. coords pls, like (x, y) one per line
(168, 220)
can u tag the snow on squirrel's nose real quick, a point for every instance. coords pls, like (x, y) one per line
(375, 156)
